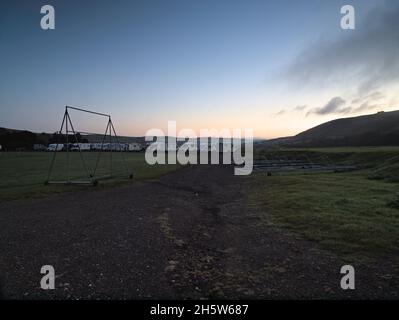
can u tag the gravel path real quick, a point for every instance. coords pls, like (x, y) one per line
(190, 234)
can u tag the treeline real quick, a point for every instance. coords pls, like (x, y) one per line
(62, 138)
(12, 140)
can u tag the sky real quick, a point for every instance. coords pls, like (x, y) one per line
(278, 67)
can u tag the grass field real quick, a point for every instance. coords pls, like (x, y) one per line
(379, 163)
(355, 214)
(23, 173)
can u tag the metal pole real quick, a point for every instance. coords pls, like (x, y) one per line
(67, 142)
(110, 144)
(88, 111)
(55, 151)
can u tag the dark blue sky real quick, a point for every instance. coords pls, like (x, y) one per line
(203, 63)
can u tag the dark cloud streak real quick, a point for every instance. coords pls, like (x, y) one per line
(368, 56)
(337, 106)
(332, 106)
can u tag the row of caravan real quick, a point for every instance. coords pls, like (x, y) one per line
(198, 146)
(95, 147)
(158, 146)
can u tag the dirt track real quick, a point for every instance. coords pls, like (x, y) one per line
(190, 234)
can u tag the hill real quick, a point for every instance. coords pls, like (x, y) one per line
(380, 129)
(11, 139)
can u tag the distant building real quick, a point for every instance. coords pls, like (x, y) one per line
(80, 147)
(55, 147)
(135, 147)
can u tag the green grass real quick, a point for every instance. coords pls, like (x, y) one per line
(22, 174)
(347, 213)
(381, 163)
(382, 149)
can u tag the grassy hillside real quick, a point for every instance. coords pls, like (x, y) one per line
(380, 129)
(354, 214)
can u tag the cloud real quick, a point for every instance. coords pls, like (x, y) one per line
(296, 109)
(366, 106)
(332, 106)
(374, 96)
(300, 108)
(337, 106)
(366, 56)
(280, 113)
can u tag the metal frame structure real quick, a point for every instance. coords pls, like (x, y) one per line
(91, 176)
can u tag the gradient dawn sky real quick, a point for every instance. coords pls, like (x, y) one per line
(278, 67)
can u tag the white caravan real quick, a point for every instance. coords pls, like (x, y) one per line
(55, 147)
